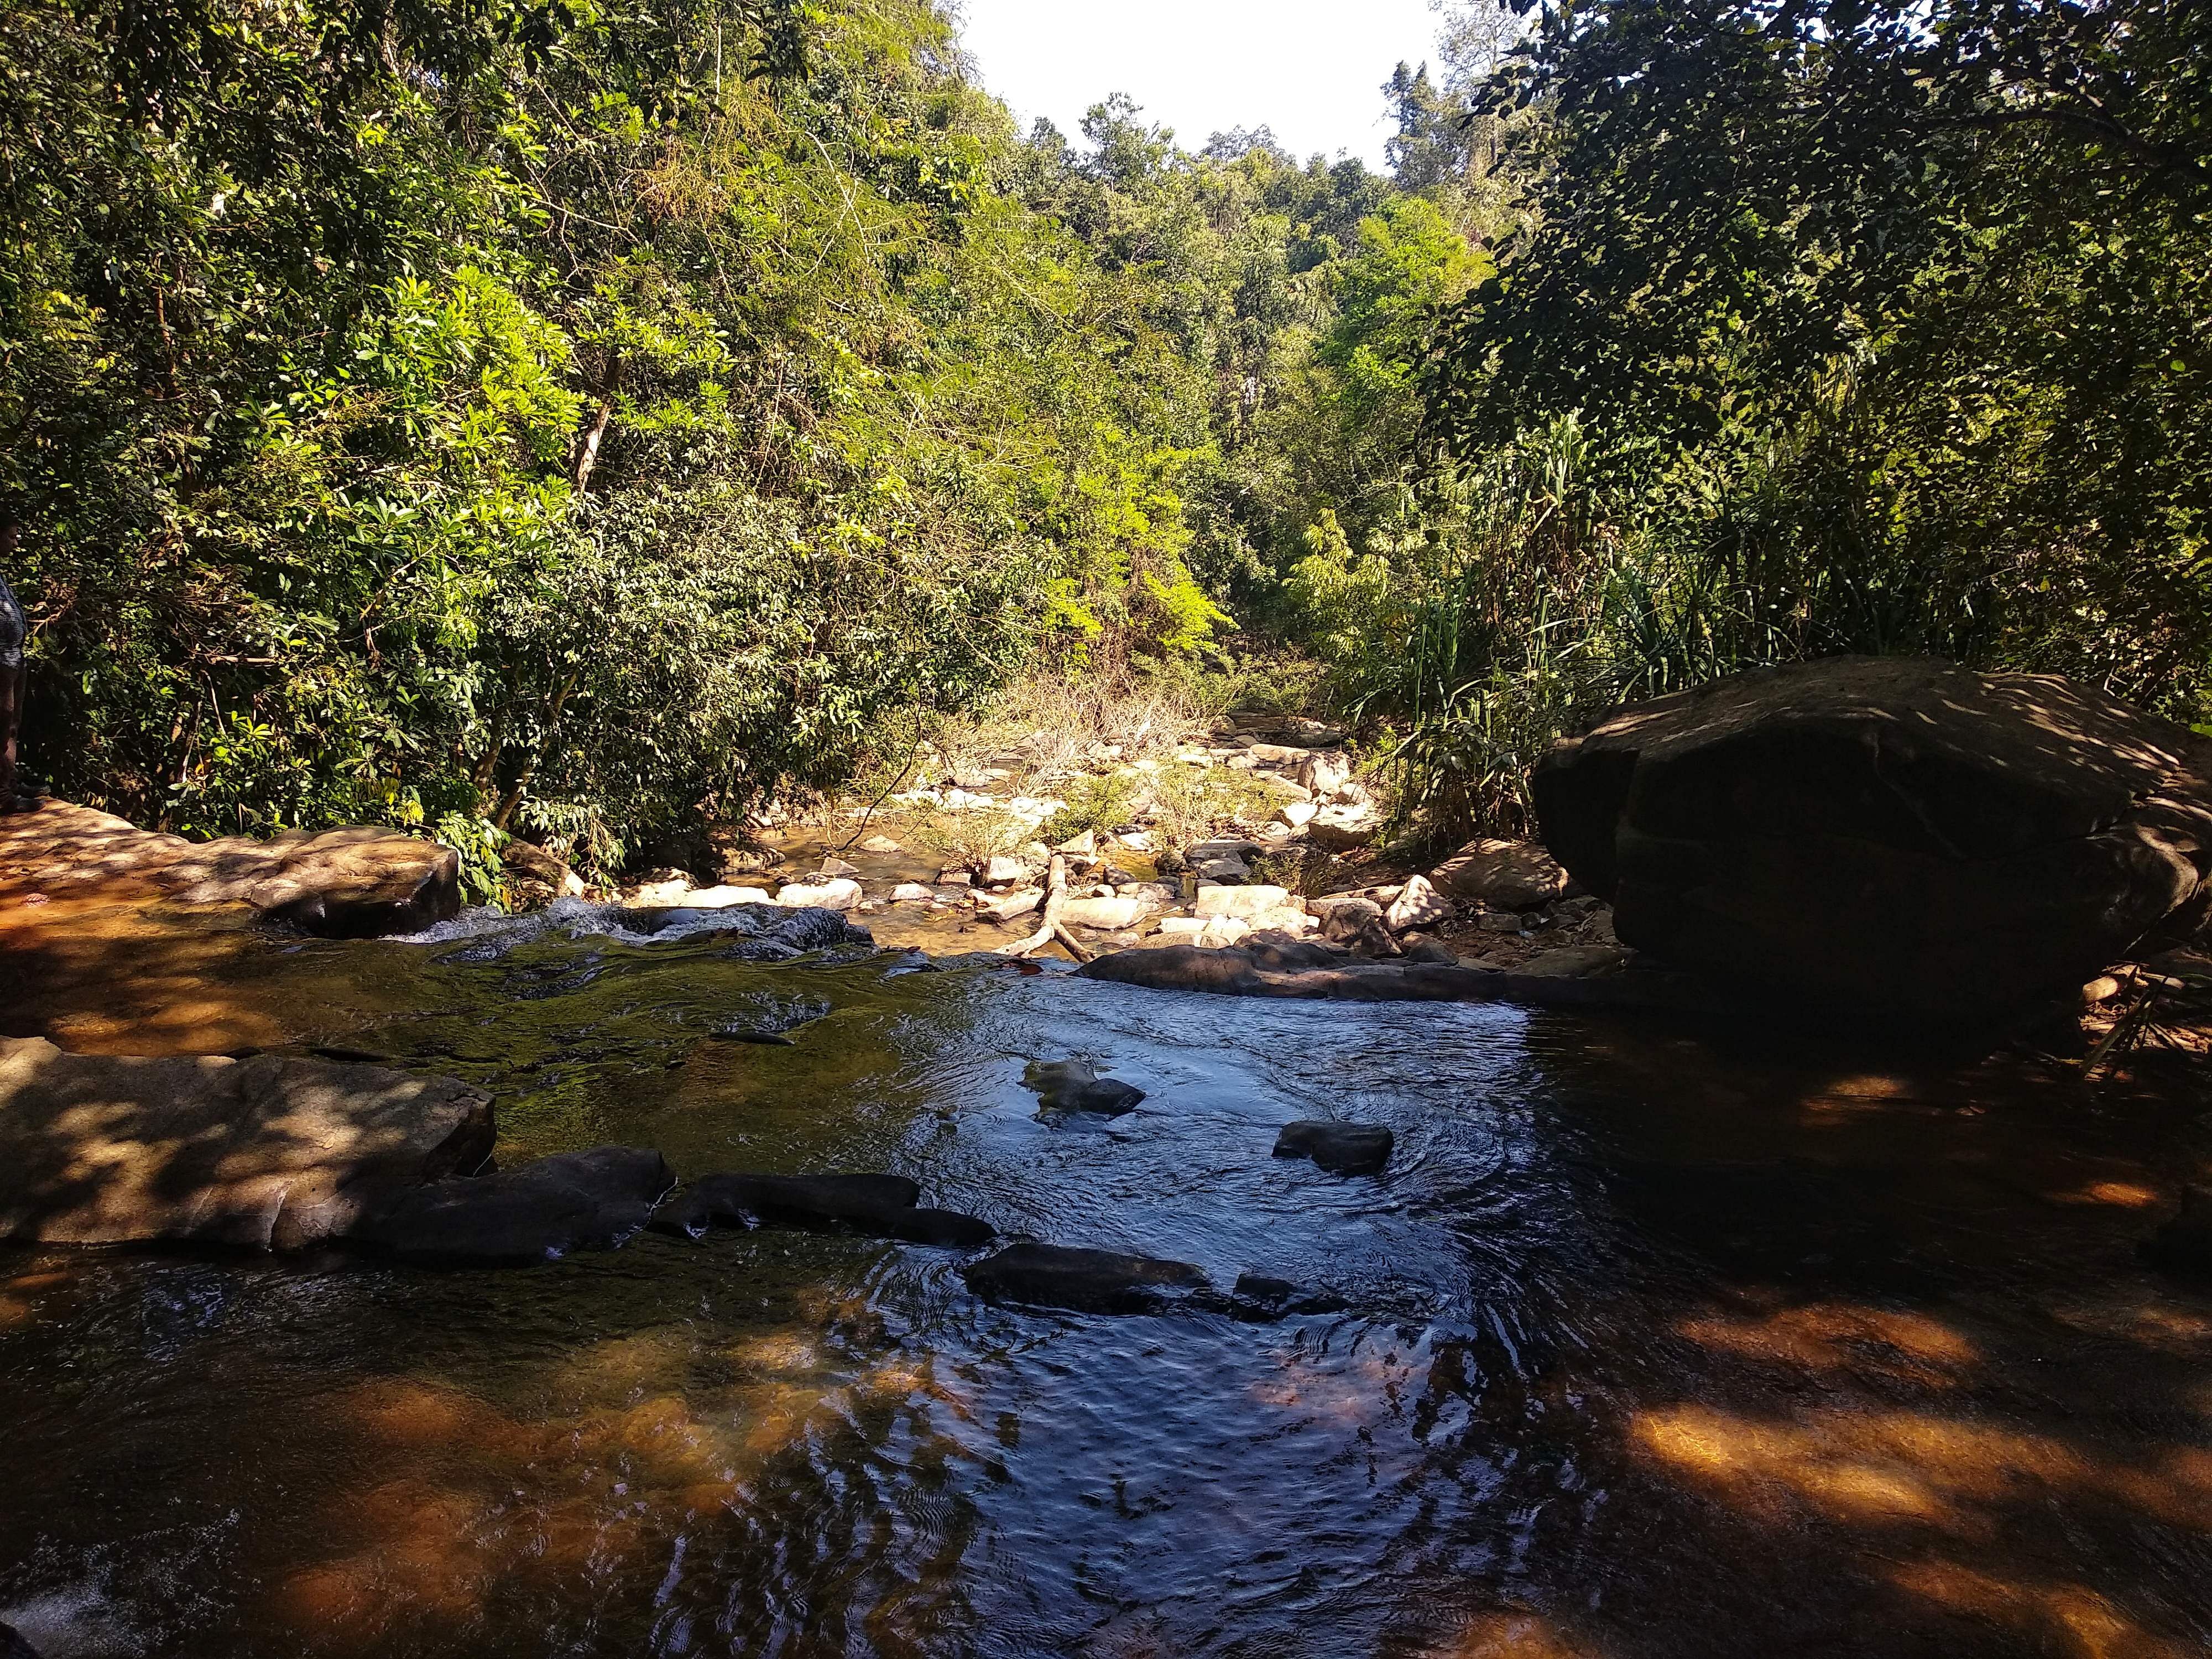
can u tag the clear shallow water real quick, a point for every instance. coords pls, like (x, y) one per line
(1651, 1350)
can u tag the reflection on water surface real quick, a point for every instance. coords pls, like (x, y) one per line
(1651, 1350)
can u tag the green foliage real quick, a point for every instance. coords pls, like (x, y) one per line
(1885, 323)
(1099, 801)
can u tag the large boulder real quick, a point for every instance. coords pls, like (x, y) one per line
(1506, 875)
(1899, 836)
(268, 1152)
(352, 883)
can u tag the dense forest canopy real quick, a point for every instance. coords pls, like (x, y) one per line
(575, 422)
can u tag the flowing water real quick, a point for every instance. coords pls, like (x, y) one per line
(1650, 1347)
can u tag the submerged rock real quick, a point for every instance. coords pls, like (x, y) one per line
(2183, 1244)
(1901, 837)
(1074, 1085)
(578, 1200)
(270, 1152)
(13, 1646)
(1257, 1296)
(1087, 1281)
(1339, 1148)
(879, 1205)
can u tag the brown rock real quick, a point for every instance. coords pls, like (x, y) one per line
(1507, 875)
(352, 883)
(1901, 837)
(270, 1152)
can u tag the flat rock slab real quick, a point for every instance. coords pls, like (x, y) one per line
(1074, 1085)
(1301, 970)
(878, 1206)
(359, 882)
(270, 1152)
(578, 1200)
(1339, 1148)
(1085, 1281)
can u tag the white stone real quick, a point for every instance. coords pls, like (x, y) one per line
(842, 894)
(879, 844)
(1418, 905)
(1083, 845)
(1005, 907)
(655, 894)
(1104, 913)
(1296, 813)
(721, 898)
(1290, 919)
(1241, 902)
(1000, 869)
(910, 889)
(1339, 829)
(1212, 932)
(1324, 775)
(1137, 841)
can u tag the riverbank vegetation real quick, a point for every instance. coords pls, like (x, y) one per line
(520, 419)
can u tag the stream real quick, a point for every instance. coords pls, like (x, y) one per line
(1651, 1346)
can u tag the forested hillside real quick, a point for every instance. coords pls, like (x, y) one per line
(520, 418)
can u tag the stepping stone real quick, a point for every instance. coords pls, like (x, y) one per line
(876, 1206)
(1074, 1085)
(1339, 1148)
(1087, 1281)
(543, 1211)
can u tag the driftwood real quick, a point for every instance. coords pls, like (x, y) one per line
(1050, 929)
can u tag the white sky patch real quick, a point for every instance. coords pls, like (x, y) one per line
(1311, 70)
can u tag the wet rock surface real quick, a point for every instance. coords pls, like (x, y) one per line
(1901, 837)
(1081, 1280)
(1282, 966)
(544, 1209)
(1339, 1148)
(267, 1152)
(879, 1205)
(1074, 1085)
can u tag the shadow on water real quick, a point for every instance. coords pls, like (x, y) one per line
(1652, 1349)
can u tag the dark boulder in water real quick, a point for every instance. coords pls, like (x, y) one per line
(879, 1205)
(1902, 838)
(1087, 1281)
(1074, 1085)
(1339, 1148)
(543, 1211)
(13, 1646)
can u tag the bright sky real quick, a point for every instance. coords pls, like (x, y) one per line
(1312, 69)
